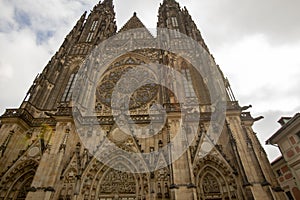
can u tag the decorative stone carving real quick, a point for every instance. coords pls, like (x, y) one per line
(111, 82)
(210, 185)
(34, 151)
(118, 182)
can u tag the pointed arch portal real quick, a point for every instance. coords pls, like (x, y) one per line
(215, 184)
(18, 180)
(113, 183)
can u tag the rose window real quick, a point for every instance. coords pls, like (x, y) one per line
(134, 85)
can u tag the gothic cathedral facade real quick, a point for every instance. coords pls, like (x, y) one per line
(45, 155)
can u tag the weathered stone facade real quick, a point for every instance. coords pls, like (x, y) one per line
(43, 157)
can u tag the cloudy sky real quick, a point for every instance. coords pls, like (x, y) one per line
(255, 42)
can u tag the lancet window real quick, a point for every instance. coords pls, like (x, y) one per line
(69, 88)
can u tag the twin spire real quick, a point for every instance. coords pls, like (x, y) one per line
(170, 15)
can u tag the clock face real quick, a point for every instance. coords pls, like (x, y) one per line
(127, 84)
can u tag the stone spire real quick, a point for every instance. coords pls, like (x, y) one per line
(108, 2)
(100, 23)
(55, 80)
(172, 16)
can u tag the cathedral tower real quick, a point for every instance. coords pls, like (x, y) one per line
(54, 85)
(79, 135)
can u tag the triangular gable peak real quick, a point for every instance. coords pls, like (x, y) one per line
(134, 23)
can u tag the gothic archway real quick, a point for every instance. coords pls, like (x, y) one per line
(17, 181)
(215, 180)
(24, 186)
(99, 181)
(212, 185)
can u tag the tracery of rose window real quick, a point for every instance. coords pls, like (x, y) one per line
(124, 80)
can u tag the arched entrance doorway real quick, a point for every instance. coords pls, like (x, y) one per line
(215, 182)
(18, 180)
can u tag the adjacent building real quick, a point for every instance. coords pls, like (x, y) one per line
(287, 167)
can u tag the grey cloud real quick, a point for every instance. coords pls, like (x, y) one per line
(225, 21)
(45, 18)
(268, 126)
(146, 10)
(229, 20)
(43, 36)
(22, 18)
(272, 93)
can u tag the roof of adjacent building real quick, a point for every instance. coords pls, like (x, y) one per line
(283, 127)
(277, 160)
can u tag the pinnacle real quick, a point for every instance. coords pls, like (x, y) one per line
(170, 2)
(108, 2)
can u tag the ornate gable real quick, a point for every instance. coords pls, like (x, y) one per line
(133, 23)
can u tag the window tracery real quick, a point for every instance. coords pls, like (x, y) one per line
(210, 185)
(215, 179)
(114, 80)
(174, 21)
(89, 37)
(69, 88)
(187, 81)
(94, 25)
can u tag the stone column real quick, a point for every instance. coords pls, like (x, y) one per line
(252, 171)
(181, 185)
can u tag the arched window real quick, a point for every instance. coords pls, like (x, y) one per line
(94, 25)
(69, 88)
(187, 81)
(18, 180)
(174, 22)
(215, 183)
(92, 31)
(89, 37)
(22, 193)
